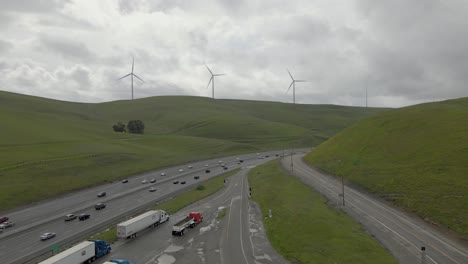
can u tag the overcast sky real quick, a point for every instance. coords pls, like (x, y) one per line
(404, 52)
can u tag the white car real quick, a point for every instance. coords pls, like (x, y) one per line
(206, 165)
(6, 225)
(190, 167)
(152, 189)
(163, 174)
(46, 236)
(181, 170)
(145, 181)
(220, 161)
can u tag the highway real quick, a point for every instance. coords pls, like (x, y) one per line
(237, 238)
(401, 234)
(21, 243)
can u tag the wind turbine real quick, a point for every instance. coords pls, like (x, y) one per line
(293, 84)
(212, 80)
(131, 75)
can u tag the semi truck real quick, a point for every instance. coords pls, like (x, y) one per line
(130, 228)
(84, 252)
(193, 219)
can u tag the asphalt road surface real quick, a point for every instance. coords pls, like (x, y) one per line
(21, 242)
(238, 237)
(401, 234)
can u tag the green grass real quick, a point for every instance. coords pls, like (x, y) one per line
(109, 235)
(303, 228)
(49, 147)
(185, 199)
(416, 157)
(221, 214)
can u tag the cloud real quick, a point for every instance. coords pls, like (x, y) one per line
(5, 46)
(65, 47)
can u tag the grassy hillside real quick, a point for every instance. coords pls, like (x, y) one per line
(49, 147)
(415, 156)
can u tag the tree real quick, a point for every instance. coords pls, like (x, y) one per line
(119, 127)
(136, 127)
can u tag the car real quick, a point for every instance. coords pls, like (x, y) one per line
(125, 181)
(225, 168)
(153, 180)
(207, 171)
(152, 189)
(190, 167)
(101, 194)
(6, 225)
(163, 174)
(196, 177)
(175, 182)
(70, 217)
(47, 236)
(241, 161)
(181, 170)
(100, 206)
(3, 219)
(237, 158)
(83, 217)
(267, 156)
(182, 182)
(220, 161)
(145, 181)
(206, 165)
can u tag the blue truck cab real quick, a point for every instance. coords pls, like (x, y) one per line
(101, 247)
(118, 261)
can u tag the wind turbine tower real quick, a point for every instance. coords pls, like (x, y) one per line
(131, 74)
(293, 84)
(212, 80)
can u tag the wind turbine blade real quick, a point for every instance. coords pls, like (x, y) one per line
(133, 63)
(138, 77)
(290, 86)
(290, 75)
(209, 69)
(301, 81)
(124, 76)
(219, 74)
(209, 82)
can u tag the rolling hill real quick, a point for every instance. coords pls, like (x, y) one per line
(416, 157)
(49, 147)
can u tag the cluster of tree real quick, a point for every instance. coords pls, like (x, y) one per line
(133, 126)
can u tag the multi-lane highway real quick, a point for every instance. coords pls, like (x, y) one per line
(402, 235)
(237, 238)
(21, 243)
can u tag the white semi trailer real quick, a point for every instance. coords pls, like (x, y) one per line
(84, 252)
(130, 228)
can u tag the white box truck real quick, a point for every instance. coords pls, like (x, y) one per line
(130, 228)
(84, 252)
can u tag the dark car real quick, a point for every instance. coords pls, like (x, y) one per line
(175, 182)
(207, 171)
(46, 236)
(182, 182)
(153, 180)
(241, 161)
(125, 181)
(225, 168)
(101, 194)
(196, 177)
(70, 217)
(100, 206)
(83, 217)
(3, 219)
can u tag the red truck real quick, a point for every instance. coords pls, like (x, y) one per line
(193, 219)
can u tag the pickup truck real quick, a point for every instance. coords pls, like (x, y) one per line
(193, 219)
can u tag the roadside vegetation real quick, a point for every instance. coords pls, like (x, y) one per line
(178, 202)
(187, 198)
(50, 147)
(416, 157)
(221, 214)
(303, 228)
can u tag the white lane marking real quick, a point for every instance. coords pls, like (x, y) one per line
(333, 192)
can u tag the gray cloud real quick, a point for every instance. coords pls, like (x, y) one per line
(32, 6)
(66, 47)
(5, 46)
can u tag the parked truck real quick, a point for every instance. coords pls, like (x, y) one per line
(84, 252)
(117, 261)
(130, 228)
(193, 219)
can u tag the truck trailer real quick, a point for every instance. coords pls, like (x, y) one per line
(193, 219)
(84, 252)
(130, 228)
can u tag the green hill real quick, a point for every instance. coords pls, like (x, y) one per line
(415, 156)
(50, 147)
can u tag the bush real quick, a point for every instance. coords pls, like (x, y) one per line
(136, 127)
(119, 127)
(200, 187)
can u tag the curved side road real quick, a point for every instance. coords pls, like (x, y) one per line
(401, 234)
